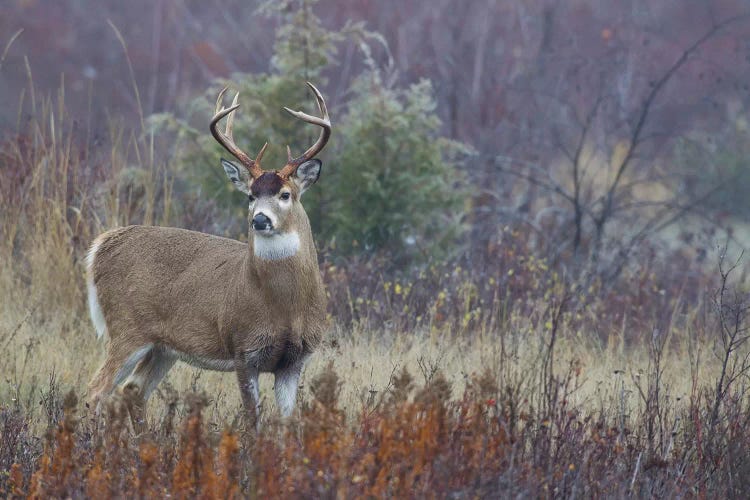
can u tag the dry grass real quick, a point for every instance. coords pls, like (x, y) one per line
(37, 344)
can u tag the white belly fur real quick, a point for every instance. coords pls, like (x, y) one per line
(220, 365)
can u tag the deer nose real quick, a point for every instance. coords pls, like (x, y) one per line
(262, 222)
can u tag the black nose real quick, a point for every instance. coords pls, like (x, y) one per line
(261, 222)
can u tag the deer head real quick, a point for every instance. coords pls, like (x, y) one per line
(274, 195)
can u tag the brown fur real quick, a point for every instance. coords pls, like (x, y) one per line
(269, 183)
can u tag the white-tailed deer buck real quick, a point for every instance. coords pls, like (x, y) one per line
(164, 294)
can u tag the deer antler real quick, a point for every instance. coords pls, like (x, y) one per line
(324, 122)
(226, 139)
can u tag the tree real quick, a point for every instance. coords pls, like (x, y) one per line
(610, 193)
(396, 180)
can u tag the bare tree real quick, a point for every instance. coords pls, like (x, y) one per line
(605, 216)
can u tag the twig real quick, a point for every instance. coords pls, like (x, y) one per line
(19, 325)
(7, 46)
(635, 472)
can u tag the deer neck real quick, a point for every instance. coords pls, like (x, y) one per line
(285, 265)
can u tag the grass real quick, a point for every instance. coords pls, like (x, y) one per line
(493, 377)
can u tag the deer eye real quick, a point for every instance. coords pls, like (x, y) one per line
(250, 198)
(285, 196)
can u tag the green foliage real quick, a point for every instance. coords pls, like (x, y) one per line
(717, 176)
(389, 180)
(303, 46)
(396, 183)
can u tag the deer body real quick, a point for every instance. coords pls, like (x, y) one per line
(166, 294)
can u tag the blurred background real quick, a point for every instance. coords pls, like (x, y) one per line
(553, 193)
(605, 140)
(591, 126)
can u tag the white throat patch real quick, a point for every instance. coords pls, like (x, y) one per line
(276, 247)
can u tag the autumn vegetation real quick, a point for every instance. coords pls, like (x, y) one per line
(559, 310)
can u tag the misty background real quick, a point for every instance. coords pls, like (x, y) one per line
(600, 130)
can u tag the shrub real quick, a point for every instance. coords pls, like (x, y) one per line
(395, 183)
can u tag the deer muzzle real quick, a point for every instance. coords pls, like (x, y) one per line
(261, 222)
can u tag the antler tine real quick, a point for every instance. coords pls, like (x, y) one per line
(324, 122)
(230, 116)
(227, 140)
(260, 154)
(219, 100)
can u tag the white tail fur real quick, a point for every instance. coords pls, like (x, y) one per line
(95, 310)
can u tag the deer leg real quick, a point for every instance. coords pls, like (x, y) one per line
(117, 365)
(286, 381)
(247, 377)
(140, 384)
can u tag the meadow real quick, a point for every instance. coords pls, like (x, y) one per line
(492, 377)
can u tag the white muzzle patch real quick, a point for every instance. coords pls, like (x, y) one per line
(276, 246)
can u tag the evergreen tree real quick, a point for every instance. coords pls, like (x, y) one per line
(396, 181)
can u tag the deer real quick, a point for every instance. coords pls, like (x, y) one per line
(162, 294)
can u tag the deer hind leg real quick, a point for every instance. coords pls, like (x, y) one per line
(245, 366)
(147, 374)
(118, 364)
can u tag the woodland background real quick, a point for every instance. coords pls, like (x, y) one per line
(531, 224)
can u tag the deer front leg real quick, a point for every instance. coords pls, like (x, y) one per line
(286, 381)
(247, 376)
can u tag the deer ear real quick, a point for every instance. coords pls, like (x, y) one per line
(307, 174)
(237, 175)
